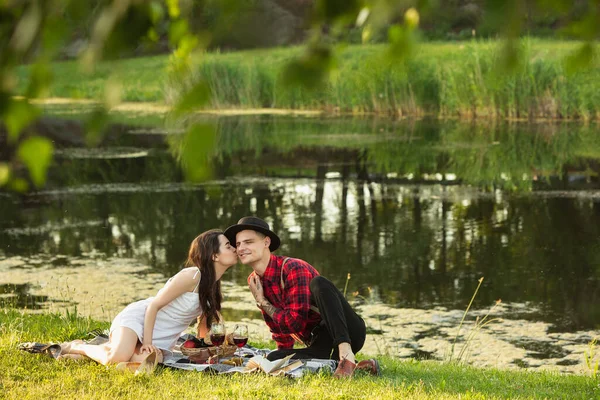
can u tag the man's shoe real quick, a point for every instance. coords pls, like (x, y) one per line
(345, 369)
(371, 366)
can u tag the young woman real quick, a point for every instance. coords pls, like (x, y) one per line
(156, 323)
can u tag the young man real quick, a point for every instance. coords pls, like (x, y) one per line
(297, 303)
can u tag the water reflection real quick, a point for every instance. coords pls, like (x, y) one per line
(415, 212)
(18, 296)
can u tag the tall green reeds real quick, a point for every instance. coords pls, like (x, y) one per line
(446, 80)
(479, 324)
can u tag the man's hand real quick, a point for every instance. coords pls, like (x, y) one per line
(256, 289)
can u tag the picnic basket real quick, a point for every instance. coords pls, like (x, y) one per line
(224, 351)
(227, 349)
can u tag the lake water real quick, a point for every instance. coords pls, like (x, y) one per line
(414, 212)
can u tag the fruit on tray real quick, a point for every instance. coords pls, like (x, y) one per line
(194, 343)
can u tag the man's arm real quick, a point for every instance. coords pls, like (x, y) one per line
(283, 340)
(293, 316)
(258, 293)
(267, 307)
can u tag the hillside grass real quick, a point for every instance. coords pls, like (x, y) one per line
(442, 79)
(28, 376)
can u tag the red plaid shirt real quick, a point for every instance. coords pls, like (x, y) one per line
(293, 315)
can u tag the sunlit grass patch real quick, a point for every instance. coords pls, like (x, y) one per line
(26, 376)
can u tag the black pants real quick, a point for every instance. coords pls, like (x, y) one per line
(339, 324)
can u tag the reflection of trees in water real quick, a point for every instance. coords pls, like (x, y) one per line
(508, 156)
(414, 244)
(436, 250)
(564, 246)
(17, 296)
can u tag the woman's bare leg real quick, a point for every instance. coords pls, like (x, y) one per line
(121, 347)
(137, 356)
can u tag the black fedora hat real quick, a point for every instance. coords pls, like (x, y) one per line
(255, 224)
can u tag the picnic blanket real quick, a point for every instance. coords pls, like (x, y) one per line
(178, 360)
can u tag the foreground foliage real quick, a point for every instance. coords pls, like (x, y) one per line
(26, 376)
(36, 33)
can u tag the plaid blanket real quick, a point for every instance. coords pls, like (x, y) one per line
(179, 361)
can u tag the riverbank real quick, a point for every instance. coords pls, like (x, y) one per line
(27, 376)
(517, 340)
(450, 80)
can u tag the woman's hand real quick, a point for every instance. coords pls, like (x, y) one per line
(148, 348)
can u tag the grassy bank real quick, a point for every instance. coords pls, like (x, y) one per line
(443, 79)
(26, 376)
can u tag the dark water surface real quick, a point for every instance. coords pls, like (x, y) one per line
(416, 212)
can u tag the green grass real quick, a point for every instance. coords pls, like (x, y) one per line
(443, 79)
(28, 376)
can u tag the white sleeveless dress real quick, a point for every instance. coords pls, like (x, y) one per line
(171, 320)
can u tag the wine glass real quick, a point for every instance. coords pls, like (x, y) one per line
(217, 335)
(240, 336)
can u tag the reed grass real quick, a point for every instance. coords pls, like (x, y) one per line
(451, 355)
(590, 358)
(458, 80)
(477, 326)
(450, 80)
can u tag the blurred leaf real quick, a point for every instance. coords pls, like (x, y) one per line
(402, 42)
(153, 35)
(197, 146)
(18, 185)
(366, 33)
(177, 31)
(94, 126)
(39, 80)
(188, 43)
(311, 69)
(112, 92)
(511, 58)
(4, 173)
(411, 18)
(36, 154)
(54, 33)
(587, 28)
(157, 12)
(173, 7)
(27, 28)
(192, 99)
(362, 16)
(19, 113)
(582, 58)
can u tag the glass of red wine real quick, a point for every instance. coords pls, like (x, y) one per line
(217, 335)
(240, 336)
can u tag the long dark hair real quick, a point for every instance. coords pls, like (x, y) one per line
(201, 253)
